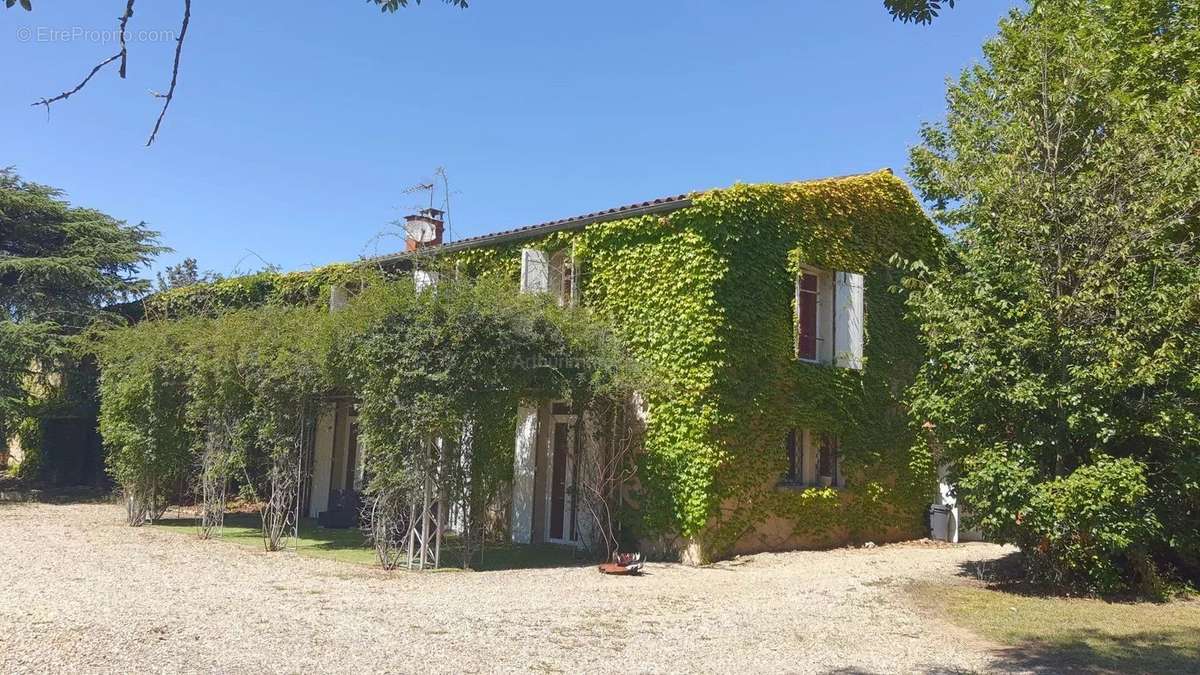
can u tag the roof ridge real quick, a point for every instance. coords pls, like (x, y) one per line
(659, 205)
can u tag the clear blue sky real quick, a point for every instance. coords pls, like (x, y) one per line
(297, 126)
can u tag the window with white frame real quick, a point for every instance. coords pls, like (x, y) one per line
(564, 278)
(555, 273)
(808, 301)
(813, 460)
(829, 317)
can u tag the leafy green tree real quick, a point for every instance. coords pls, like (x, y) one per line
(916, 11)
(144, 400)
(185, 273)
(59, 266)
(281, 365)
(1064, 328)
(205, 397)
(230, 396)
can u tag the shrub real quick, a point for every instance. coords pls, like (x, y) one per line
(1093, 530)
(29, 433)
(143, 402)
(998, 486)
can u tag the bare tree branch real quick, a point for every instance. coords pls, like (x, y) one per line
(124, 21)
(123, 54)
(67, 94)
(170, 95)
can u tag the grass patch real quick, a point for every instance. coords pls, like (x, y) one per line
(349, 546)
(1055, 634)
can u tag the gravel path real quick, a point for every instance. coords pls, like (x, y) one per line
(79, 591)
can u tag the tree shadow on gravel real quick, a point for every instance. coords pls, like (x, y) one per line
(1093, 651)
(925, 670)
(1040, 630)
(1006, 573)
(15, 490)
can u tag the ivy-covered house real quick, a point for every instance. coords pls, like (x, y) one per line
(772, 313)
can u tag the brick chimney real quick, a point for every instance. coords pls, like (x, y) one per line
(424, 229)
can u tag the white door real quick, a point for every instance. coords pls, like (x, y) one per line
(561, 516)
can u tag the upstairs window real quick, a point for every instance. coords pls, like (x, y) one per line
(554, 273)
(829, 325)
(808, 305)
(564, 278)
(535, 271)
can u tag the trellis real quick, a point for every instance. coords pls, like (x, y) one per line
(427, 514)
(426, 523)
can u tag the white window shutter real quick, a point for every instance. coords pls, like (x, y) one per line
(423, 279)
(535, 271)
(524, 469)
(339, 297)
(848, 320)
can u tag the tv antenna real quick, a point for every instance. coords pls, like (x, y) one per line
(431, 187)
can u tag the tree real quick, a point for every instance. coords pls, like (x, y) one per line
(209, 400)
(916, 11)
(59, 265)
(185, 273)
(1064, 377)
(144, 400)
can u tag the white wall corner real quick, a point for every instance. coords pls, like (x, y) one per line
(524, 467)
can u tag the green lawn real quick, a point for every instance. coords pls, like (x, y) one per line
(1053, 634)
(348, 545)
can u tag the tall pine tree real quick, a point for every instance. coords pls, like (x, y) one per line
(60, 265)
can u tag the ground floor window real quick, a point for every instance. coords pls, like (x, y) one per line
(795, 458)
(813, 459)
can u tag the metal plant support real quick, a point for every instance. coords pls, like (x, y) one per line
(427, 518)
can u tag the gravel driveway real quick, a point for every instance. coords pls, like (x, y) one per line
(79, 591)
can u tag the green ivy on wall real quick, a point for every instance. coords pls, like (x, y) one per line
(252, 290)
(704, 297)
